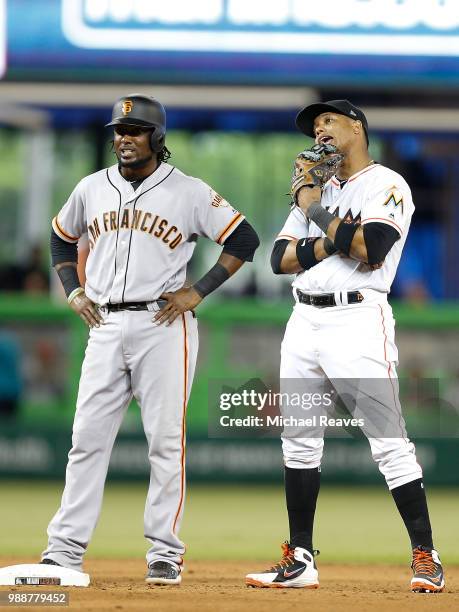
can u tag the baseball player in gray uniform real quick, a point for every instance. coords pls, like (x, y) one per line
(344, 242)
(143, 217)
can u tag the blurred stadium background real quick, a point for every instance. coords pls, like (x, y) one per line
(232, 75)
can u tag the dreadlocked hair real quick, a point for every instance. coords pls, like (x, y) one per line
(164, 154)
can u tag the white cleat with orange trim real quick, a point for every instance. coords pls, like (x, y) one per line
(296, 569)
(427, 571)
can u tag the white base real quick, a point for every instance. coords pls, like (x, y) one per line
(37, 574)
(177, 580)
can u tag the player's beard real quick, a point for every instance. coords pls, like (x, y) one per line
(138, 163)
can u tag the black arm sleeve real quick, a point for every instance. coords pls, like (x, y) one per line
(277, 254)
(215, 277)
(65, 252)
(243, 242)
(379, 239)
(62, 251)
(69, 278)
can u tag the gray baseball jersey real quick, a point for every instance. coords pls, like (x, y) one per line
(141, 241)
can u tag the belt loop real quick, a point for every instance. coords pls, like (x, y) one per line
(337, 295)
(344, 298)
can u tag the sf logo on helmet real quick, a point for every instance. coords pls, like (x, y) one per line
(127, 107)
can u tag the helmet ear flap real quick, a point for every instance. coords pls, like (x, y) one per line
(157, 139)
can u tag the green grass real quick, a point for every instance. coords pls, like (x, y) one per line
(354, 525)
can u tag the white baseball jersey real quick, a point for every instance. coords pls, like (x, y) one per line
(141, 241)
(375, 194)
(352, 346)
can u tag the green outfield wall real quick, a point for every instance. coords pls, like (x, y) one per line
(42, 453)
(239, 339)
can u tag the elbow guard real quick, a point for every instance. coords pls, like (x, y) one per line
(277, 255)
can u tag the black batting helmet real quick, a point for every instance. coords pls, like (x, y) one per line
(142, 111)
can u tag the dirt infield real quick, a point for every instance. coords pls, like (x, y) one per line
(210, 586)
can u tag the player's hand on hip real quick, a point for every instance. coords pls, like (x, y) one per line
(87, 310)
(178, 302)
(306, 196)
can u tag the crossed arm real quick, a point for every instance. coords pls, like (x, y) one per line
(369, 244)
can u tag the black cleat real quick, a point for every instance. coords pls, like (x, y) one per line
(163, 572)
(49, 562)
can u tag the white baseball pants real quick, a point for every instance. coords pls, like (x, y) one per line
(347, 343)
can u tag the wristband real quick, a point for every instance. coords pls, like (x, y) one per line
(305, 253)
(215, 277)
(344, 235)
(321, 217)
(69, 277)
(74, 293)
(329, 247)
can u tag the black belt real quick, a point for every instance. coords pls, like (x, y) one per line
(133, 305)
(327, 299)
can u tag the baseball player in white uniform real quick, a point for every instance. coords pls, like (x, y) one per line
(344, 243)
(143, 217)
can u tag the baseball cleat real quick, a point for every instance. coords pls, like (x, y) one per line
(428, 572)
(48, 561)
(163, 572)
(296, 569)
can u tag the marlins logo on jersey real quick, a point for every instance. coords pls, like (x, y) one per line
(394, 198)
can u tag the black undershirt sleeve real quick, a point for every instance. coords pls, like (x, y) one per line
(65, 252)
(379, 239)
(243, 242)
(62, 251)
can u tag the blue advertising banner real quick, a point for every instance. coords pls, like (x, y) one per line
(228, 41)
(2, 37)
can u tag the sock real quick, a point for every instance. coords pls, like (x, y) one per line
(412, 505)
(301, 491)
